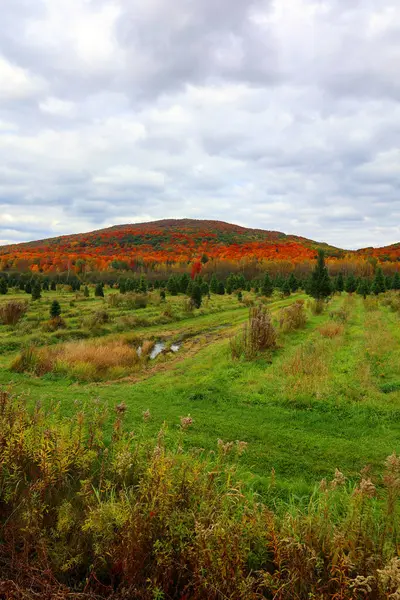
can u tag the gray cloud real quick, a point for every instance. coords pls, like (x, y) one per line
(283, 115)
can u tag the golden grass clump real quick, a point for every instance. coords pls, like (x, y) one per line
(12, 312)
(331, 330)
(87, 360)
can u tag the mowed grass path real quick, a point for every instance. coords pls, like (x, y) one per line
(320, 403)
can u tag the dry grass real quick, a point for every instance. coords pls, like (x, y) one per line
(306, 370)
(308, 360)
(86, 360)
(258, 335)
(12, 312)
(371, 304)
(379, 340)
(293, 317)
(331, 330)
(147, 347)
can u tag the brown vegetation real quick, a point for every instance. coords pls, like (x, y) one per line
(293, 316)
(257, 335)
(12, 312)
(144, 520)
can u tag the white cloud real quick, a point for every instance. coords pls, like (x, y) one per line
(16, 83)
(58, 107)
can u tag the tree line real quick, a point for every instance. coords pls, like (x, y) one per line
(318, 284)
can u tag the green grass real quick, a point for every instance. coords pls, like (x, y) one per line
(344, 412)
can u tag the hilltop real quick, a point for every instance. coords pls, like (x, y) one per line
(171, 241)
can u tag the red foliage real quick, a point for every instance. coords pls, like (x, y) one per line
(168, 242)
(196, 269)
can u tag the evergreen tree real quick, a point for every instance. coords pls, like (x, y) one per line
(99, 292)
(196, 295)
(162, 295)
(53, 286)
(267, 288)
(205, 289)
(122, 287)
(3, 286)
(293, 283)
(86, 292)
(388, 282)
(350, 284)
(320, 283)
(221, 289)
(286, 288)
(339, 283)
(183, 283)
(396, 281)
(228, 287)
(36, 291)
(240, 296)
(363, 288)
(21, 286)
(55, 309)
(143, 285)
(28, 287)
(189, 288)
(279, 281)
(46, 285)
(214, 284)
(172, 286)
(378, 286)
(241, 282)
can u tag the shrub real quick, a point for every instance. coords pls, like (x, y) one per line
(392, 300)
(293, 317)
(341, 315)
(96, 320)
(317, 306)
(54, 324)
(136, 301)
(12, 312)
(257, 335)
(247, 300)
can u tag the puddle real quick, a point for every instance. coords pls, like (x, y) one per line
(158, 348)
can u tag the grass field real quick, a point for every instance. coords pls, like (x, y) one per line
(328, 397)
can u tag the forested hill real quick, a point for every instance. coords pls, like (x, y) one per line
(171, 241)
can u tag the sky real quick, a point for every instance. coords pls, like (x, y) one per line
(275, 114)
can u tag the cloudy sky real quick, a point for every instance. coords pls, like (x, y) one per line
(278, 114)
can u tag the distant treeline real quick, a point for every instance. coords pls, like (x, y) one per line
(211, 283)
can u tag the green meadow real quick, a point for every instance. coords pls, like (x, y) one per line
(326, 397)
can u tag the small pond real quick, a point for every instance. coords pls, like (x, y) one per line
(160, 347)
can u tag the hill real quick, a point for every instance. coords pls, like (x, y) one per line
(169, 241)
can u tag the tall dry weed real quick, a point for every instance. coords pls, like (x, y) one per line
(257, 335)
